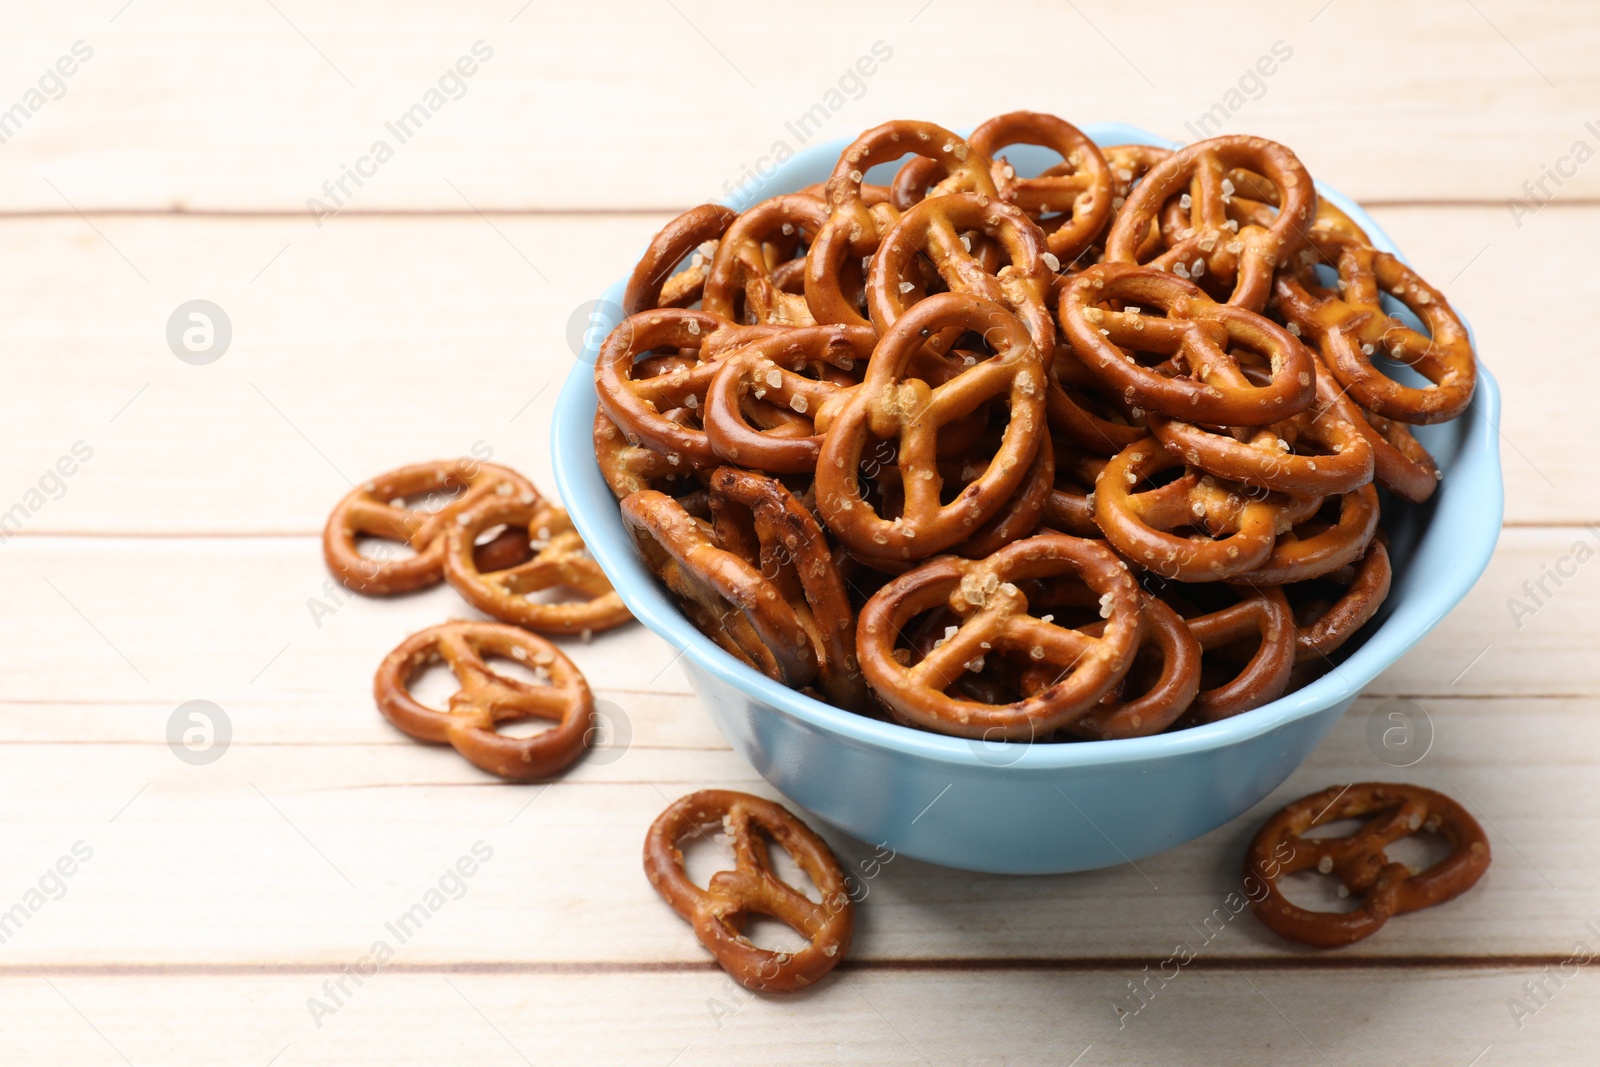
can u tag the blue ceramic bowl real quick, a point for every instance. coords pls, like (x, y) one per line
(1023, 809)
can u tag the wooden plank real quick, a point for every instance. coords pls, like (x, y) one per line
(320, 823)
(378, 342)
(241, 620)
(218, 899)
(228, 620)
(659, 105)
(1423, 1017)
(462, 348)
(313, 866)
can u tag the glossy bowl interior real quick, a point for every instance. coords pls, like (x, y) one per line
(1016, 808)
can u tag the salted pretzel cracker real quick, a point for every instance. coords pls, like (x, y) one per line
(1021, 515)
(789, 537)
(1129, 163)
(1233, 530)
(560, 562)
(1078, 190)
(1203, 340)
(1399, 462)
(854, 229)
(1323, 622)
(773, 368)
(1134, 346)
(1382, 887)
(1164, 697)
(643, 407)
(1352, 327)
(628, 467)
(719, 912)
(487, 698)
(935, 232)
(1237, 260)
(891, 405)
(742, 285)
(377, 509)
(653, 283)
(1312, 547)
(725, 595)
(1313, 453)
(1261, 614)
(994, 618)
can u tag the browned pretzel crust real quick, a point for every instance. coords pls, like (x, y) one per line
(994, 617)
(560, 563)
(829, 410)
(677, 240)
(719, 912)
(893, 404)
(1382, 887)
(487, 698)
(1236, 260)
(726, 595)
(377, 509)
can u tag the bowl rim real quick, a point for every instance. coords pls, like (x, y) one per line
(1476, 508)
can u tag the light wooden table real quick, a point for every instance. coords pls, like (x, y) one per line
(179, 561)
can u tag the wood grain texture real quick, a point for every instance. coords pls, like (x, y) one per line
(375, 342)
(242, 619)
(189, 106)
(298, 854)
(983, 1017)
(432, 317)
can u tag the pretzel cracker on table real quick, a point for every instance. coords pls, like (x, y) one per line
(1085, 454)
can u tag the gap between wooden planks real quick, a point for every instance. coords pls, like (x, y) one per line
(1441, 102)
(1413, 1016)
(379, 341)
(248, 604)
